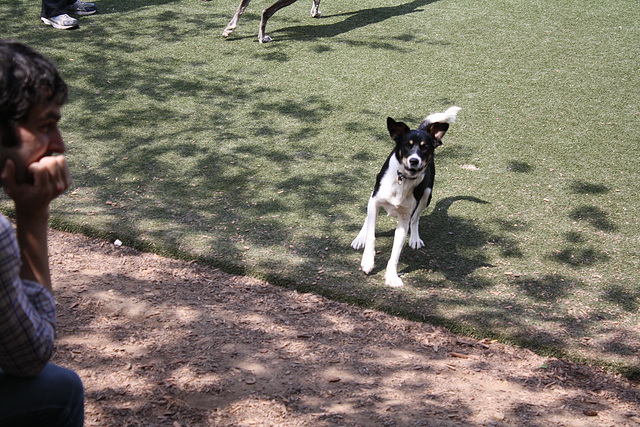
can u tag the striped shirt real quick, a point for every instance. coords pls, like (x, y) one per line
(27, 313)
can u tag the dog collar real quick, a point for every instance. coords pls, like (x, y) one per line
(402, 177)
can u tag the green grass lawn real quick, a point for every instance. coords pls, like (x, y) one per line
(260, 158)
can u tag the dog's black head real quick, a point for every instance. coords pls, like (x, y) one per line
(414, 148)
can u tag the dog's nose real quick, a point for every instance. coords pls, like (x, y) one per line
(414, 163)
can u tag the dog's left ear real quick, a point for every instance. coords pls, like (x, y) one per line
(437, 131)
(396, 129)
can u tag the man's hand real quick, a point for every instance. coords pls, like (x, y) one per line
(50, 178)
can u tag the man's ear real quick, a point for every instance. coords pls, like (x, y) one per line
(396, 129)
(437, 131)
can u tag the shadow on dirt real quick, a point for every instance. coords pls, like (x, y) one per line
(165, 342)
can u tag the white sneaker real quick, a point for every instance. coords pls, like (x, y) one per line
(61, 22)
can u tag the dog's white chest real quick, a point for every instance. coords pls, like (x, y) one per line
(397, 207)
(396, 196)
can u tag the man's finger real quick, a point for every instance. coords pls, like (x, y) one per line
(8, 176)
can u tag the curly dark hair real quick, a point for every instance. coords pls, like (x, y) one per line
(26, 79)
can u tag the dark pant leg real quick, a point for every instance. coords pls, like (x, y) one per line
(53, 398)
(51, 8)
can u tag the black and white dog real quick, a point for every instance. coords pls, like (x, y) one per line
(403, 188)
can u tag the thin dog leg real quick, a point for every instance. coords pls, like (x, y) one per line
(268, 13)
(233, 24)
(315, 13)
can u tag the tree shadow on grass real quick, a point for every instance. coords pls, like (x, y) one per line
(582, 187)
(579, 257)
(578, 252)
(447, 237)
(626, 298)
(520, 167)
(595, 217)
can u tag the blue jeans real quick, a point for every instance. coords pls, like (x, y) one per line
(53, 398)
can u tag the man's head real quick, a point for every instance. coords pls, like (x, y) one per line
(31, 94)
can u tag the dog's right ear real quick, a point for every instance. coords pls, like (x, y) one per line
(396, 129)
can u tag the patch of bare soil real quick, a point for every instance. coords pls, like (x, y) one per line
(160, 342)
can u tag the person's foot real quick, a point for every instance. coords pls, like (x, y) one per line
(82, 8)
(61, 22)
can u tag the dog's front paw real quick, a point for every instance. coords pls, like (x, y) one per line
(416, 242)
(367, 263)
(393, 280)
(358, 242)
(265, 39)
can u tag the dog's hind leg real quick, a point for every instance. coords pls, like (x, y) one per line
(268, 13)
(315, 12)
(233, 24)
(391, 275)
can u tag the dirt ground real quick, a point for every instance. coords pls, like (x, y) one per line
(160, 342)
